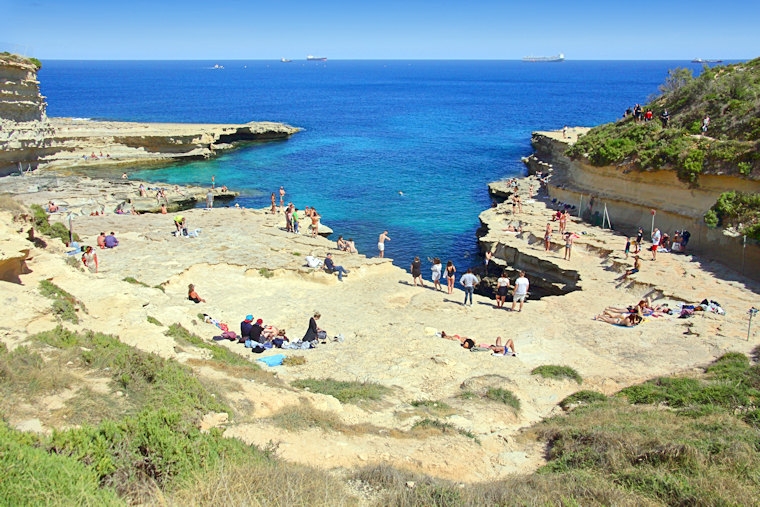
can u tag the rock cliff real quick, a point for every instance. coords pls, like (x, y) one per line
(630, 197)
(30, 140)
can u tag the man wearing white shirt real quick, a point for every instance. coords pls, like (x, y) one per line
(521, 291)
(468, 281)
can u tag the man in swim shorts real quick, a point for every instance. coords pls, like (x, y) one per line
(521, 291)
(381, 243)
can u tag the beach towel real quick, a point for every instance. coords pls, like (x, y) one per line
(275, 360)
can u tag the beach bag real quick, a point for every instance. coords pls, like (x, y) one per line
(322, 335)
(257, 348)
(230, 335)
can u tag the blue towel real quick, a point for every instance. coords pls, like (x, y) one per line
(275, 360)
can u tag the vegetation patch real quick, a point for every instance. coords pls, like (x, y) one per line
(65, 306)
(343, 391)
(294, 361)
(219, 354)
(154, 321)
(304, 416)
(434, 407)
(552, 371)
(426, 426)
(582, 398)
(737, 210)
(147, 450)
(135, 281)
(266, 273)
(729, 95)
(503, 396)
(43, 226)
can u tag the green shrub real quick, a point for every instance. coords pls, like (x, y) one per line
(582, 398)
(266, 273)
(43, 226)
(32, 476)
(219, 354)
(552, 371)
(65, 306)
(503, 396)
(441, 427)
(345, 392)
(153, 320)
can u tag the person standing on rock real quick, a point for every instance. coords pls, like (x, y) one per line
(468, 281)
(639, 239)
(416, 269)
(451, 271)
(502, 288)
(213, 181)
(656, 236)
(210, 199)
(436, 270)
(282, 197)
(381, 243)
(568, 245)
(273, 209)
(521, 291)
(548, 236)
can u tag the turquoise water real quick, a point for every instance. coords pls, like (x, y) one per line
(407, 146)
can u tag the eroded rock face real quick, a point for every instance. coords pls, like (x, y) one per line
(23, 123)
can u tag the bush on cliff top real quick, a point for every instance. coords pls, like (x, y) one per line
(739, 210)
(729, 95)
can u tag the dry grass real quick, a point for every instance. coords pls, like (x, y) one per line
(273, 484)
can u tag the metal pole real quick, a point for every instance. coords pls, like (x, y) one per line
(744, 251)
(71, 231)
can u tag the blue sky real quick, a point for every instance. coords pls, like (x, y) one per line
(388, 29)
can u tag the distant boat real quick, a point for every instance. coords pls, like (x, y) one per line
(316, 58)
(702, 60)
(285, 60)
(217, 66)
(556, 58)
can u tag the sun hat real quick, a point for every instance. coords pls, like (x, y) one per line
(249, 317)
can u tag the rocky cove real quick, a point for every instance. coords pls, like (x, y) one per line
(389, 326)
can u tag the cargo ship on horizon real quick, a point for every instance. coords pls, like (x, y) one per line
(316, 58)
(556, 58)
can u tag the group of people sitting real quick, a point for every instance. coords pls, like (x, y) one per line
(498, 349)
(109, 241)
(346, 245)
(259, 337)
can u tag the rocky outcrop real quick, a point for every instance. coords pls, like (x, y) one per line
(29, 140)
(20, 99)
(633, 198)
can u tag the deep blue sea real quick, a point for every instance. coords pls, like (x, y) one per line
(407, 146)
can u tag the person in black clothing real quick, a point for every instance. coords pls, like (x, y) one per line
(312, 333)
(245, 328)
(330, 267)
(665, 118)
(256, 330)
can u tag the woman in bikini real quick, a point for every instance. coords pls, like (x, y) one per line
(450, 276)
(502, 289)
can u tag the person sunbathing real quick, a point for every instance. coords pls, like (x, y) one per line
(468, 343)
(632, 319)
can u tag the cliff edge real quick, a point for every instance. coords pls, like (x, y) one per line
(29, 140)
